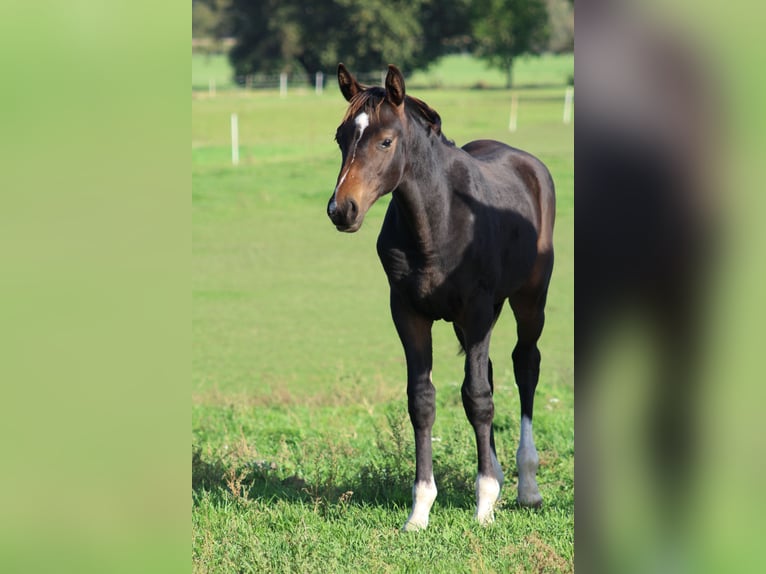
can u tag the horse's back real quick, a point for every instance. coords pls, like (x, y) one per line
(493, 150)
(500, 162)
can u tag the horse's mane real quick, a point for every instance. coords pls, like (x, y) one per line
(369, 100)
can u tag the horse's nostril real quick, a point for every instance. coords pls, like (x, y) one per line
(352, 208)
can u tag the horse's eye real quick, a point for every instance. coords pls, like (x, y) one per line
(386, 143)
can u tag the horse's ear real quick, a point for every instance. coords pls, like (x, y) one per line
(394, 86)
(349, 87)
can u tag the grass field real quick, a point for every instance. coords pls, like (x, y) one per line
(302, 453)
(455, 71)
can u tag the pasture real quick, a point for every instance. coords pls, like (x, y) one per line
(302, 451)
(454, 71)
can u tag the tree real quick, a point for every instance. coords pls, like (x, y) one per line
(561, 21)
(282, 35)
(211, 26)
(446, 28)
(268, 36)
(364, 34)
(210, 18)
(506, 29)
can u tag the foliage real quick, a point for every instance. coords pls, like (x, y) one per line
(287, 35)
(446, 28)
(365, 35)
(210, 19)
(280, 35)
(506, 29)
(268, 35)
(561, 19)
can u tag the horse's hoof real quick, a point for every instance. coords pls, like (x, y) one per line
(486, 519)
(530, 501)
(411, 526)
(487, 494)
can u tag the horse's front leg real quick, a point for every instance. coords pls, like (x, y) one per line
(480, 410)
(415, 333)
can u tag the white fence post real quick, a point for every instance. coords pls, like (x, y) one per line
(318, 81)
(568, 98)
(234, 140)
(283, 84)
(211, 87)
(514, 113)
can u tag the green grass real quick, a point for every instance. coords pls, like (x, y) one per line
(463, 71)
(211, 66)
(455, 71)
(302, 453)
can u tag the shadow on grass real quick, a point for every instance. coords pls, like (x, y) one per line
(382, 477)
(375, 485)
(334, 477)
(384, 481)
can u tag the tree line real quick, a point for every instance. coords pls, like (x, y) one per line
(274, 36)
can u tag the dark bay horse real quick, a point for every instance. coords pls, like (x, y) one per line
(466, 229)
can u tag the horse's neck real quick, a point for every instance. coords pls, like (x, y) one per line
(423, 199)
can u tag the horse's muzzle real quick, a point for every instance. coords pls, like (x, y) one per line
(345, 216)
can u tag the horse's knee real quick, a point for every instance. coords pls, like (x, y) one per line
(478, 404)
(421, 402)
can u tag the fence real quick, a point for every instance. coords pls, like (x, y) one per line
(284, 81)
(512, 120)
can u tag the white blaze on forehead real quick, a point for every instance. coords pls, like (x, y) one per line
(361, 121)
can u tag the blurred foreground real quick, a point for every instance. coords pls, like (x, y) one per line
(666, 431)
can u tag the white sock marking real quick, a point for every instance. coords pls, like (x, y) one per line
(527, 462)
(487, 493)
(423, 496)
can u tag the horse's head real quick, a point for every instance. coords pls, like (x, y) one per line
(371, 141)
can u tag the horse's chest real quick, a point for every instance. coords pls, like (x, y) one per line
(420, 285)
(425, 287)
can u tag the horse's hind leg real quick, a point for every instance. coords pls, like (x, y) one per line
(479, 408)
(460, 338)
(415, 333)
(530, 317)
